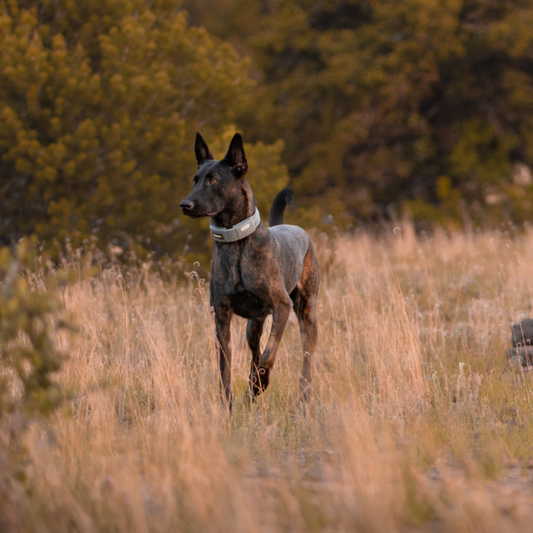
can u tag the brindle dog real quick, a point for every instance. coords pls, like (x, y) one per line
(268, 272)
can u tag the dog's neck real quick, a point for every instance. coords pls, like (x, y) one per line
(240, 209)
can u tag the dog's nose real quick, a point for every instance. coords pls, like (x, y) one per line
(186, 205)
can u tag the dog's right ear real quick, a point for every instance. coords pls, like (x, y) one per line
(202, 151)
(235, 157)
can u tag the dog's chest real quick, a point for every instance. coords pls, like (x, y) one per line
(248, 304)
(246, 297)
(242, 284)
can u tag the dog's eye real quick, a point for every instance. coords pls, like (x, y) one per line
(212, 181)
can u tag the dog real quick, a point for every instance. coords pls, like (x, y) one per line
(255, 271)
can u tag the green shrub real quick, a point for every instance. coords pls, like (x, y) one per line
(99, 105)
(28, 355)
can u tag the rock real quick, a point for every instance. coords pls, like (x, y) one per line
(521, 356)
(522, 333)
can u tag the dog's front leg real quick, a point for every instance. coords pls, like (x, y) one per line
(254, 330)
(223, 316)
(279, 321)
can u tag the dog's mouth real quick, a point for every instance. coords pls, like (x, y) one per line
(198, 215)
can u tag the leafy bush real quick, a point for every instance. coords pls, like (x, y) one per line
(28, 355)
(29, 360)
(99, 103)
(377, 101)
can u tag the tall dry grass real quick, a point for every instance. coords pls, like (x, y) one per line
(416, 422)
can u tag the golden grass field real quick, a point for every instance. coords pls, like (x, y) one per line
(416, 422)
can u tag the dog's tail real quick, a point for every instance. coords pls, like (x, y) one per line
(283, 198)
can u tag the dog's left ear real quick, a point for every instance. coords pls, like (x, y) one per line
(235, 157)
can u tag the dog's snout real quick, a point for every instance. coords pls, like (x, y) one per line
(187, 205)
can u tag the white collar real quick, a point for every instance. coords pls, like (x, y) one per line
(237, 232)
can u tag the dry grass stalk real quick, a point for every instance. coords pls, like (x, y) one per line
(416, 423)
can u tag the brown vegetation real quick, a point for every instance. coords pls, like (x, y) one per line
(416, 422)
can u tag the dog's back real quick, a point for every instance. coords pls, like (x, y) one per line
(291, 243)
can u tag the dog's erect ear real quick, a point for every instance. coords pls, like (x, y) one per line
(235, 157)
(201, 150)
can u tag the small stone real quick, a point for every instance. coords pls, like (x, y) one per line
(522, 333)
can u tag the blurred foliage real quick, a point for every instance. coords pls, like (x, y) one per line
(99, 103)
(28, 355)
(382, 101)
(382, 106)
(235, 21)
(385, 104)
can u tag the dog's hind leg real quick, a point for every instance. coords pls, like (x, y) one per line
(223, 316)
(309, 334)
(305, 300)
(254, 330)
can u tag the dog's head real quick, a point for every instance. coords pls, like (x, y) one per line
(216, 183)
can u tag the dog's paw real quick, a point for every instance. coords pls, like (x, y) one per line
(260, 380)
